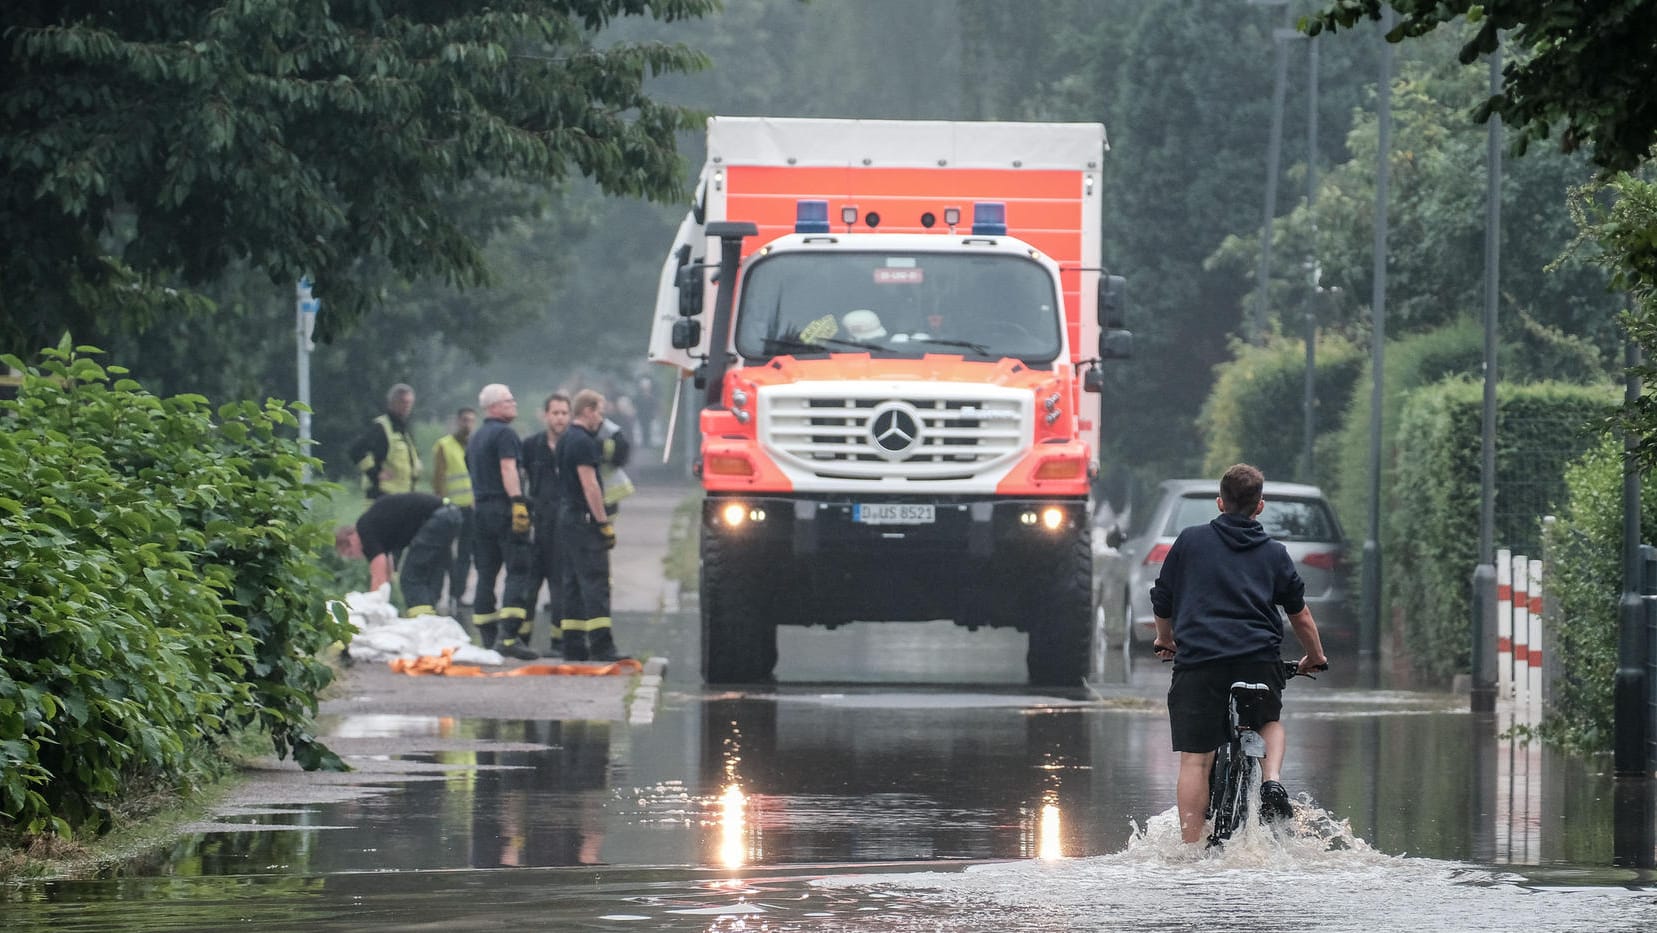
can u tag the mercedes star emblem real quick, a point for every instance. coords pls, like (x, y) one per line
(895, 430)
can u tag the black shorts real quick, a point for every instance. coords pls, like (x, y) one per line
(1197, 701)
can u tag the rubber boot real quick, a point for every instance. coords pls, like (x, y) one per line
(513, 643)
(555, 645)
(601, 646)
(486, 634)
(575, 645)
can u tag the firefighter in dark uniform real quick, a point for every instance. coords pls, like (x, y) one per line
(540, 468)
(502, 524)
(585, 535)
(421, 525)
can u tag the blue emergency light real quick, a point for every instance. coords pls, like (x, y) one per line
(811, 217)
(989, 218)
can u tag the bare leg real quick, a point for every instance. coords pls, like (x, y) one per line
(1192, 792)
(1276, 742)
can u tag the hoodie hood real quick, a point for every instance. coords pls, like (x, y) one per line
(1238, 533)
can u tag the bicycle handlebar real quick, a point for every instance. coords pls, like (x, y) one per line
(1292, 669)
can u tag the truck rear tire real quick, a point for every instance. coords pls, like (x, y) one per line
(1061, 619)
(739, 638)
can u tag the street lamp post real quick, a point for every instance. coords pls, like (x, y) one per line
(1274, 152)
(1484, 674)
(1369, 622)
(1314, 274)
(305, 311)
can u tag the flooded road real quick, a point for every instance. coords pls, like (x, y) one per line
(856, 795)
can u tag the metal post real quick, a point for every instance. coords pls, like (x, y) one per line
(1274, 151)
(1314, 274)
(1369, 622)
(1484, 577)
(305, 311)
(1630, 707)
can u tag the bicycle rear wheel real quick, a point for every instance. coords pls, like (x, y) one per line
(1228, 787)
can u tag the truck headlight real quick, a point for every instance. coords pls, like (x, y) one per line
(735, 514)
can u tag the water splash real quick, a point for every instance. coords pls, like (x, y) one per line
(1312, 873)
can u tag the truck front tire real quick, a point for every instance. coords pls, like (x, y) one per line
(739, 636)
(1061, 618)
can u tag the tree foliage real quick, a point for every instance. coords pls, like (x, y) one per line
(1585, 69)
(157, 144)
(1436, 216)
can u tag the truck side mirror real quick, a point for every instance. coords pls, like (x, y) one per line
(1115, 344)
(1113, 302)
(689, 281)
(1093, 380)
(687, 333)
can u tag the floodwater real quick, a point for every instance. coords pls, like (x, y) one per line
(904, 780)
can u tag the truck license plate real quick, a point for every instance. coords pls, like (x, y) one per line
(892, 513)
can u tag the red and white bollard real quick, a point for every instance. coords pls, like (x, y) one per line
(1534, 613)
(1519, 570)
(1504, 623)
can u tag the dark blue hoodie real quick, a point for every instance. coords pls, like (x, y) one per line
(1221, 585)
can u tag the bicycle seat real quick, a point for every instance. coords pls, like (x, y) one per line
(1243, 686)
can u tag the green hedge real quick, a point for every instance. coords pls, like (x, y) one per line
(1584, 552)
(158, 589)
(1255, 412)
(1431, 519)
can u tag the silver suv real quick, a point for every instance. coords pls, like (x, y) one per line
(1295, 514)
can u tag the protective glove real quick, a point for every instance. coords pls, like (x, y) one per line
(520, 516)
(608, 531)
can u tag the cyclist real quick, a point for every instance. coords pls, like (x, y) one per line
(1215, 602)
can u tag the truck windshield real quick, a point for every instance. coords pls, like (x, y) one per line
(898, 305)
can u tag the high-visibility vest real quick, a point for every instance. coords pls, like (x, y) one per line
(457, 483)
(401, 465)
(616, 483)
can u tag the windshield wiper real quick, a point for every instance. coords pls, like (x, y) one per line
(861, 345)
(977, 348)
(796, 345)
(792, 344)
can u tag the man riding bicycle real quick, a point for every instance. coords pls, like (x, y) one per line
(1215, 602)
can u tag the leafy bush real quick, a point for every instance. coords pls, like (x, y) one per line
(159, 589)
(1431, 535)
(1584, 553)
(1255, 412)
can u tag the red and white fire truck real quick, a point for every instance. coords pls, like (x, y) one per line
(900, 368)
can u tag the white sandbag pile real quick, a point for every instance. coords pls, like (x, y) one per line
(382, 635)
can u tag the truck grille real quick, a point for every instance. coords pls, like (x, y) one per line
(910, 436)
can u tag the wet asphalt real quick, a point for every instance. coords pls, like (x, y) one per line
(894, 778)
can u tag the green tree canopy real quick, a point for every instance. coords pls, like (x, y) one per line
(155, 144)
(1587, 66)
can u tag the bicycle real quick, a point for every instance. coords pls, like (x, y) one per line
(1231, 779)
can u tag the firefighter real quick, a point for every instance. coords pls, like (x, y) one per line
(502, 523)
(540, 469)
(451, 481)
(385, 454)
(422, 524)
(585, 535)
